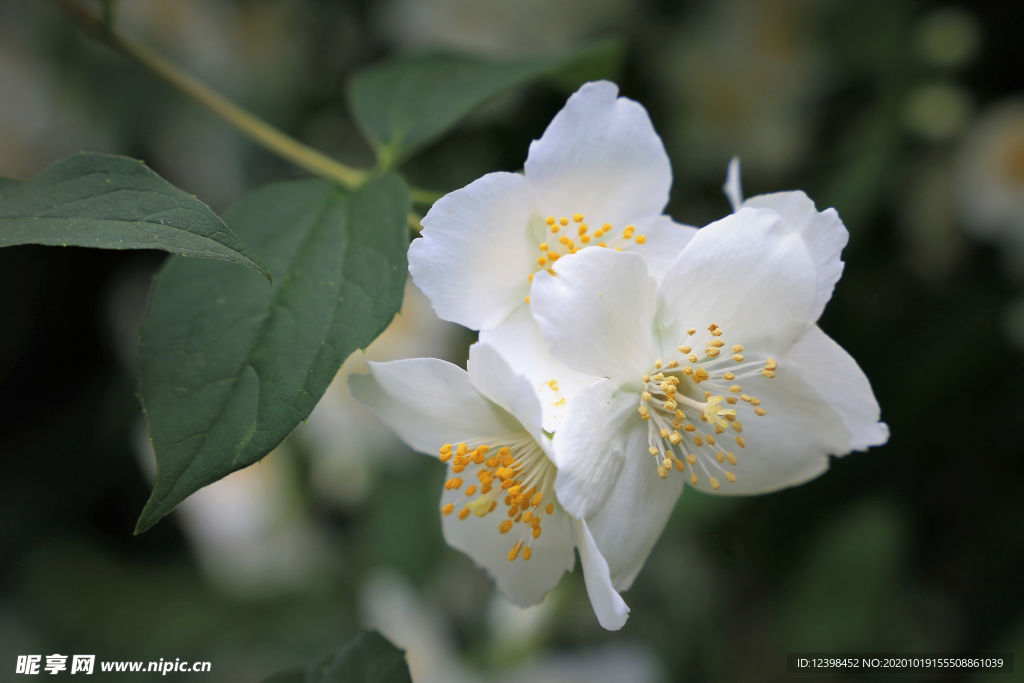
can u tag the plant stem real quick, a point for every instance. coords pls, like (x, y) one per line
(424, 197)
(255, 128)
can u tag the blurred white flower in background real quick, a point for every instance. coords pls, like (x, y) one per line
(392, 606)
(500, 28)
(989, 177)
(343, 436)
(743, 74)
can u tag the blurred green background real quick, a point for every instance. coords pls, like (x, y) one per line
(908, 117)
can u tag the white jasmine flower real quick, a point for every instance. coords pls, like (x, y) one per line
(499, 504)
(718, 374)
(598, 176)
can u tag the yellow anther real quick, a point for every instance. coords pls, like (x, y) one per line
(702, 374)
(628, 232)
(714, 483)
(664, 433)
(730, 476)
(675, 438)
(698, 442)
(737, 425)
(738, 358)
(508, 460)
(735, 388)
(687, 370)
(741, 442)
(731, 400)
(760, 412)
(504, 452)
(554, 229)
(717, 332)
(550, 508)
(585, 239)
(667, 463)
(771, 364)
(445, 456)
(713, 352)
(514, 553)
(690, 332)
(744, 397)
(712, 327)
(679, 465)
(692, 358)
(453, 483)
(719, 456)
(527, 553)
(606, 227)
(602, 244)
(541, 261)
(658, 377)
(461, 450)
(447, 448)
(463, 513)
(515, 491)
(529, 278)
(717, 343)
(662, 471)
(563, 221)
(563, 240)
(640, 239)
(471, 490)
(578, 217)
(447, 509)
(527, 299)
(537, 499)
(646, 396)
(644, 413)
(679, 414)
(768, 373)
(646, 378)
(653, 451)
(692, 459)
(536, 532)
(731, 458)
(670, 405)
(657, 366)
(710, 439)
(673, 364)
(693, 478)
(543, 246)
(755, 401)
(551, 220)
(690, 428)
(736, 348)
(583, 229)
(719, 429)
(728, 376)
(513, 511)
(527, 516)
(685, 349)
(552, 256)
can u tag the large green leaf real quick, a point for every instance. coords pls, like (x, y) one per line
(111, 202)
(227, 368)
(406, 103)
(368, 658)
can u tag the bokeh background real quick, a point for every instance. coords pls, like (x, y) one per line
(908, 117)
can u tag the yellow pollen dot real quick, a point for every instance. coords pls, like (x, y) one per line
(445, 457)
(735, 388)
(563, 221)
(741, 442)
(447, 509)
(662, 471)
(687, 370)
(697, 441)
(640, 239)
(768, 373)
(693, 478)
(664, 433)
(551, 220)
(453, 483)
(717, 343)
(692, 358)
(527, 299)
(514, 553)
(541, 261)
(563, 240)
(461, 450)
(471, 490)
(447, 448)
(692, 459)
(730, 476)
(657, 366)
(527, 553)
(543, 246)
(673, 364)
(529, 278)
(755, 401)
(463, 513)
(731, 400)
(670, 405)
(702, 375)
(728, 376)
(653, 450)
(602, 244)
(685, 349)
(717, 332)
(554, 229)
(690, 428)
(550, 508)
(552, 256)
(527, 516)
(711, 439)
(760, 412)
(713, 352)
(719, 429)
(679, 414)
(738, 358)
(606, 227)
(644, 413)
(675, 438)
(583, 229)
(719, 456)
(690, 332)
(714, 483)
(536, 499)
(712, 327)
(744, 397)
(585, 239)
(737, 348)
(646, 396)
(536, 532)
(667, 463)
(679, 464)
(737, 425)
(771, 364)
(731, 458)
(578, 217)
(513, 511)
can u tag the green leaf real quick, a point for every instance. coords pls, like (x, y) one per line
(227, 368)
(112, 202)
(406, 103)
(368, 658)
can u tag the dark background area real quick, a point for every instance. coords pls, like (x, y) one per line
(877, 108)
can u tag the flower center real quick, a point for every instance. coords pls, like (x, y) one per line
(518, 475)
(679, 423)
(555, 246)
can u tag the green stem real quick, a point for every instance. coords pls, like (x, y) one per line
(424, 197)
(255, 128)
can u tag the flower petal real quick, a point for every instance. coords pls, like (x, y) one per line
(664, 240)
(523, 582)
(837, 379)
(823, 233)
(492, 376)
(519, 342)
(633, 516)
(600, 157)
(597, 313)
(591, 446)
(611, 610)
(733, 187)
(748, 273)
(474, 256)
(429, 402)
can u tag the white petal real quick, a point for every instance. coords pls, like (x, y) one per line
(429, 402)
(823, 232)
(748, 273)
(519, 342)
(733, 187)
(474, 256)
(600, 157)
(523, 582)
(591, 446)
(664, 240)
(491, 375)
(597, 313)
(836, 378)
(633, 516)
(611, 610)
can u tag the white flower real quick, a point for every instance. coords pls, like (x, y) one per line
(498, 505)
(598, 176)
(718, 372)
